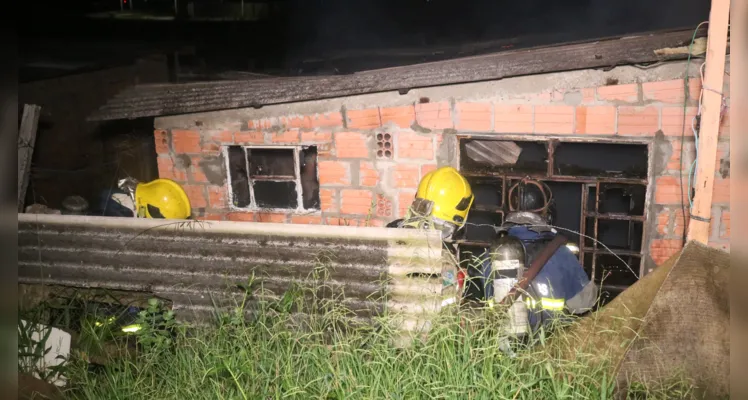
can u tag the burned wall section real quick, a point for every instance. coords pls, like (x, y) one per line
(588, 113)
(597, 196)
(73, 156)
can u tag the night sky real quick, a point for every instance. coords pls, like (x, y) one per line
(344, 36)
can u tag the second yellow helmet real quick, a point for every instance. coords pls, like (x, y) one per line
(162, 198)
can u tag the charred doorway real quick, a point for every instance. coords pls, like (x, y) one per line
(599, 191)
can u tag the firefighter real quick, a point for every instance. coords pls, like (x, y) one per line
(160, 198)
(561, 287)
(442, 202)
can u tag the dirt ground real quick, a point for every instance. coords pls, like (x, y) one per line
(33, 388)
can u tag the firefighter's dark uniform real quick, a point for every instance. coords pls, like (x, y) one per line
(561, 286)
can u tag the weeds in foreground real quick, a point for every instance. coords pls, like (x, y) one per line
(307, 345)
(295, 348)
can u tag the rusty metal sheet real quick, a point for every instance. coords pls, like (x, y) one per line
(200, 265)
(175, 99)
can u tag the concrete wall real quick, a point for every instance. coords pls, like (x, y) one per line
(358, 187)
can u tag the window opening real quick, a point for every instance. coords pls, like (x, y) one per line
(599, 191)
(567, 197)
(309, 180)
(480, 227)
(270, 194)
(622, 199)
(273, 177)
(600, 160)
(271, 164)
(488, 193)
(503, 156)
(238, 177)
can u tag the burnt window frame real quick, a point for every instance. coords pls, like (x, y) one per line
(586, 183)
(297, 152)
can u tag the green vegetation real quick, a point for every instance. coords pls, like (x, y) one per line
(282, 353)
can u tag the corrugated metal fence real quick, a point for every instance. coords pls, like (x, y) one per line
(200, 266)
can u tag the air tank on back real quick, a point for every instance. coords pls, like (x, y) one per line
(507, 265)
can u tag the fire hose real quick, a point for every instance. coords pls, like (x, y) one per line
(535, 268)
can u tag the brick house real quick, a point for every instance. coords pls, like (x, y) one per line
(608, 141)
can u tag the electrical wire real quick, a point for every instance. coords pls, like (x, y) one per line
(571, 231)
(694, 120)
(694, 163)
(692, 169)
(683, 132)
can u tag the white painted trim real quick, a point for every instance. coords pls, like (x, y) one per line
(297, 171)
(252, 200)
(299, 210)
(230, 187)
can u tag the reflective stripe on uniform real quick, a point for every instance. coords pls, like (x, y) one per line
(546, 303)
(552, 304)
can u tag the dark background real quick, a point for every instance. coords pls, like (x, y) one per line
(298, 37)
(76, 55)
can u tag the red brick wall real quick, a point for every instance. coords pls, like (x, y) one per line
(358, 187)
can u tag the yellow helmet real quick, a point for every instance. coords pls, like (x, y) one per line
(445, 196)
(162, 198)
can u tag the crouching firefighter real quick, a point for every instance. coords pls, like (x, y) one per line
(552, 286)
(160, 198)
(532, 267)
(442, 202)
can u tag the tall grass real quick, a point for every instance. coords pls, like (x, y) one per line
(273, 357)
(305, 347)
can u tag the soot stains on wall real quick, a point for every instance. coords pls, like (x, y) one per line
(598, 191)
(274, 178)
(238, 176)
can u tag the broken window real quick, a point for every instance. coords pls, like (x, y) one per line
(309, 181)
(238, 176)
(599, 192)
(274, 177)
(504, 156)
(600, 160)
